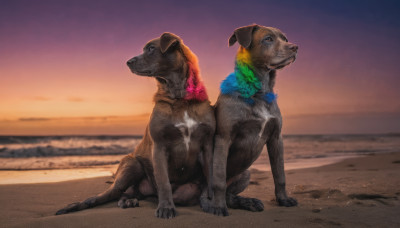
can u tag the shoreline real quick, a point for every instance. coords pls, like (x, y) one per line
(54, 175)
(10, 177)
(356, 192)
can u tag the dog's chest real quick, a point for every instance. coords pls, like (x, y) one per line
(187, 126)
(262, 113)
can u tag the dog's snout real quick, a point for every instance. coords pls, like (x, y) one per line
(293, 47)
(131, 61)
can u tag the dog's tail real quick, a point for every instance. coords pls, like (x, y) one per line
(111, 194)
(129, 172)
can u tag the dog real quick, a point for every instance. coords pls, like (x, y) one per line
(248, 117)
(174, 158)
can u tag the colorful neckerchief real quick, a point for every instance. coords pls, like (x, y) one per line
(195, 89)
(244, 81)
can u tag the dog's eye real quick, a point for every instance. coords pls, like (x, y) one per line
(150, 48)
(268, 39)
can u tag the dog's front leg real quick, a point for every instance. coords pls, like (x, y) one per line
(275, 153)
(208, 164)
(166, 207)
(217, 205)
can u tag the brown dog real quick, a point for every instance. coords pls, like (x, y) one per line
(175, 156)
(248, 117)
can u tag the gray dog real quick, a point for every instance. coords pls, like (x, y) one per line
(248, 117)
(174, 159)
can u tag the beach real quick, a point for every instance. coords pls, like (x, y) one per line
(355, 192)
(82, 83)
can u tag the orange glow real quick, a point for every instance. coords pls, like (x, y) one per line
(64, 61)
(111, 125)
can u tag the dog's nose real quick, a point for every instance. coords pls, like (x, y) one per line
(131, 61)
(293, 47)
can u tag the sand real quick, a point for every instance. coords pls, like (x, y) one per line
(357, 192)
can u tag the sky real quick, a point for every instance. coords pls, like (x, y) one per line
(63, 63)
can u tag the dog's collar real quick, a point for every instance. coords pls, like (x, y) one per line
(268, 97)
(244, 81)
(195, 89)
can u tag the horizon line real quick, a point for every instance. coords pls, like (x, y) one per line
(141, 135)
(27, 119)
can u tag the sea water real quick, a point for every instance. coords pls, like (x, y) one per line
(66, 152)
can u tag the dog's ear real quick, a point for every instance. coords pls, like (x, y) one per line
(168, 40)
(243, 35)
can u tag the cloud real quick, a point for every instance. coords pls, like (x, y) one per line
(342, 123)
(75, 99)
(34, 119)
(344, 115)
(41, 98)
(139, 117)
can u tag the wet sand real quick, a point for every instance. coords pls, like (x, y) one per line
(65, 168)
(356, 192)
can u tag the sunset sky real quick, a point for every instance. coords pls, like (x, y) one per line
(63, 71)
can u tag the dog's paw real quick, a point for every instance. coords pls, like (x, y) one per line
(239, 202)
(208, 207)
(205, 203)
(287, 202)
(219, 211)
(166, 212)
(252, 204)
(126, 203)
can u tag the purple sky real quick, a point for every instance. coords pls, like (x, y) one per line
(66, 59)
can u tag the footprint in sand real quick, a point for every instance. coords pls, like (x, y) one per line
(376, 197)
(324, 222)
(319, 193)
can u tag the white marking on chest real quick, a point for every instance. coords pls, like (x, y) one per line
(187, 126)
(264, 114)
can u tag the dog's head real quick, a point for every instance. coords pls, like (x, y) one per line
(268, 47)
(160, 57)
(174, 66)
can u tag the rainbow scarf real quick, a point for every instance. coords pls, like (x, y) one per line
(195, 89)
(244, 81)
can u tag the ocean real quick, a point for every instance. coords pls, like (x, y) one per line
(69, 152)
